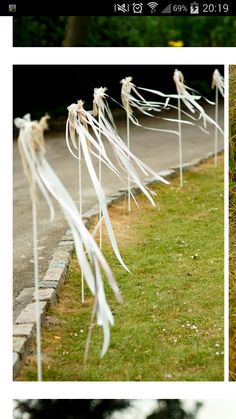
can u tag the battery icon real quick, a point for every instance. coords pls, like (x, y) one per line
(194, 8)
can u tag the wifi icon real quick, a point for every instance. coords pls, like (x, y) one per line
(153, 6)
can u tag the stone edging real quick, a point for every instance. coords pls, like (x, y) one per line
(55, 277)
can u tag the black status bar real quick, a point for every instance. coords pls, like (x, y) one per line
(117, 8)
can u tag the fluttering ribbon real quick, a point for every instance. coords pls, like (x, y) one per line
(98, 104)
(128, 161)
(133, 100)
(39, 144)
(78, 122)
(218, 85)
(138, 102)
(218, 82)
(188, 95)
(190, 100)
(90, 258)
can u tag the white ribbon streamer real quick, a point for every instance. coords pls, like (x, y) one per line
(218, 82)
(78, 122)
(90, 258)
(132, 99)
(190, 100)
(80, 126)
(126, 159)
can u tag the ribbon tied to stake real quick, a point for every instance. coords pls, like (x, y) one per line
(90, 258)
(218, 82)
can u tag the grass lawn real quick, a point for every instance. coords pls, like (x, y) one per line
(232, 222)
(170, 325)
(232, 270)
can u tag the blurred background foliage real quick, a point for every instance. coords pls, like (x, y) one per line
(124, 31)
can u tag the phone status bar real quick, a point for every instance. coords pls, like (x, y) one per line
(182, 8)
(118, 8)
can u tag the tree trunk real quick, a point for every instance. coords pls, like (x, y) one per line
(76, 31)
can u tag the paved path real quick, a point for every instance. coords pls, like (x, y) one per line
(159, 150)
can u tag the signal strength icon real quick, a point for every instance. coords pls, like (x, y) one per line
(153, 5)
(167, 10)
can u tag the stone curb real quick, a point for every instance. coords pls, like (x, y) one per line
(55, 277)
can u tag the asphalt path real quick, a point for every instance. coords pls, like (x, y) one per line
(158, 150)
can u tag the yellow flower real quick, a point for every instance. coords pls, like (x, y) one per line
(175, 44)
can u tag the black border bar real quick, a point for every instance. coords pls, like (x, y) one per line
(117, 8)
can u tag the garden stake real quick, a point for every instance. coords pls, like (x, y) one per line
(128, 145)
(107, 124)
(91, 260)
(80, 209)
(100, 178)
(218, 84)
(180, 144)
(36, 282)
(216, 120)
(126, 89)
(190, 101)
(30, 173)
(79, 121)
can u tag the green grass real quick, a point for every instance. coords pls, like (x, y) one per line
(232, 127)
(232, 222)
(170, 325)
(232, 314)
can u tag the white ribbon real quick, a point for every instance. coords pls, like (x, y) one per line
(190, 100)
(218, 82)
(90, 258)
(124, 157)
(78, 120)
(137, 101)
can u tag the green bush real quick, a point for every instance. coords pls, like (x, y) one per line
(124, 31)
(39, 31)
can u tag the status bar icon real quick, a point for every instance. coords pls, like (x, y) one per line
(194, 8)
